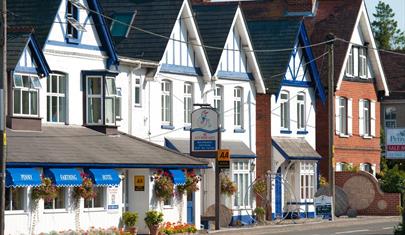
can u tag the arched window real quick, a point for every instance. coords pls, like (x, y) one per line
(342, 166)
(367, 167)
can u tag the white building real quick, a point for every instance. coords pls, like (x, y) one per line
(293, 84)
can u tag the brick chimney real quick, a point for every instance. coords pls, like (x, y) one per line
(296, 6)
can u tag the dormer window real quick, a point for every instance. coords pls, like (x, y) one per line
(25, 94)
(73, 26)
(121, 24)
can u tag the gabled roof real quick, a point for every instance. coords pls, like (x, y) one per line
(17, 42)
(83, 147)
(157, 16)
(40, 15)
(214, 23)
(273, 35)
(394, 68)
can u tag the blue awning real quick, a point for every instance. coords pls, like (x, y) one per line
(64, 177)
(178, 176)
(22, 177)
(104, 177)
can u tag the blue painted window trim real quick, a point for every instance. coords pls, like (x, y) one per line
(235, 75)
(72, 39)
(239, 130)
(39, 58)
(296, 83)
(179, 69)
(302, 132)
(285, 132)
(167, 127)
(236, 156)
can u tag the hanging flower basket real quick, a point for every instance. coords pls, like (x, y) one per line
(163, 187)
(47, 191)
(228, 187)
(191, 184)
(86, 190)
(260, 187)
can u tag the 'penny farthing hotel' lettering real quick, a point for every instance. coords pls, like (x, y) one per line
(26, 177)
(68, 177)
(107, 177)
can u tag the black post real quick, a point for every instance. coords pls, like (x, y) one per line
(217, 181)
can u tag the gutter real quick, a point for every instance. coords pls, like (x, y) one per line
(142, 63)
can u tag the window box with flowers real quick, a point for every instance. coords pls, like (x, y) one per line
(177, 228)
(191, 184)
(163, 187)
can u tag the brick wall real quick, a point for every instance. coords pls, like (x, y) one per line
(365, 195)
(354, 149)
(263, 141)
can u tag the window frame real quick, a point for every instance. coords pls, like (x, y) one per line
(59, 95)
(99, 96)
(238, 102)
(65, 192)
(246, 173)
(30, 90)
(367, 118)
(72, 12)
(219, 99)
(166, 108)
(307, 181)
(362, 61)
(285, 110)
(9, 191)
(390, 117)
(363, 167)
(103, 192)
(301, 112)
(118, 104)
(344, 119)
(110, 95)
(138, 91)
(350, 63)
(188, 101)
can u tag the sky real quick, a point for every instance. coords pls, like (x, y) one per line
(397, 5)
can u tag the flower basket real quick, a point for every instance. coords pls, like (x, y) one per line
(260, 187)
(47, 191)
(86, 190)
(191, 184)
(177, 228)
(163, 187)
(228, 187)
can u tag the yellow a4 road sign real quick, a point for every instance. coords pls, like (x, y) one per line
(223, 158)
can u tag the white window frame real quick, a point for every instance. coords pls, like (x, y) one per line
(340, 166)
(307, 181)
(362, 62)
(242, 176)
(65, 192)
(104, 194)
(285, 110)
(99, 96)
(238, 107)
(301, 111)
(350, 64)
(59, 95)
(343, 116)
(219, 102)
(110, 95)
(138, 91)
(118, 104)
(71, 19)
(363, 167)
(188, 101)
(390, 117)
(367, 118)
(166, 104)
(33, 87)
(24, 202)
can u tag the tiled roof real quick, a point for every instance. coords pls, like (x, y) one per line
(214, 23)
(273, 35)
(296, 148)
(157, 16)
(394, 69)
(36, 14)
(339, 18)
(83, 146)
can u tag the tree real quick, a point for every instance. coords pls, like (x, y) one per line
(385, 28)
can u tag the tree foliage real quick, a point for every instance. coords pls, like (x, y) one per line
(386, 32)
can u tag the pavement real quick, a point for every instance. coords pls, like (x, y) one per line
(362, 225)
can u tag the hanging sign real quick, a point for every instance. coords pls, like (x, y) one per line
(395, 143)
(139, 182)
(204, 130)
(112, 200)
(223, 158)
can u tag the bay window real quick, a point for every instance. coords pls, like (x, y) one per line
(25, 94)
(101, 95)
(14, 199)
(56, 98)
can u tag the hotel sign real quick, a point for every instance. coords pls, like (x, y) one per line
(395, 143)
(204, 130)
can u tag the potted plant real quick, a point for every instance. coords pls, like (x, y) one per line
(130, 219)
(228, 187)
(163, 186)
(192, 180)
(260, 213)
(153, 219)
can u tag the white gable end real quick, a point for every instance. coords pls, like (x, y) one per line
(297, 68)
(87, 38)
(26, 60)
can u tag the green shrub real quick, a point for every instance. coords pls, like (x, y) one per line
(153, 217)
(129, 218)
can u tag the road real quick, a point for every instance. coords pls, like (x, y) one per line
(359, 226)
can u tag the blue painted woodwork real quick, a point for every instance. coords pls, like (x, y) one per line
(278, 194)
(178, 69)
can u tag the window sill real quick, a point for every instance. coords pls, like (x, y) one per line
(16, 212)
(72, 40)
(343, 136)
(167, 207)
(285, 132)
(167, 127)
(137, 106)
(187, 128)
(367, 137)
(239, 130)
(55, 211)
(302, 132)
(96, 209)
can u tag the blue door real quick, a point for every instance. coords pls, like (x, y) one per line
(279, 212)
(190, 209)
